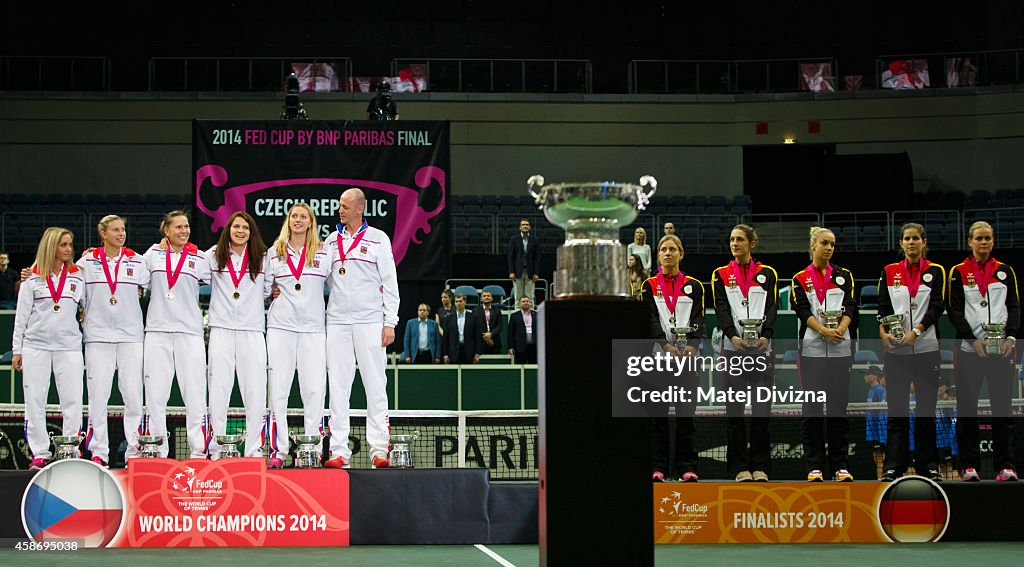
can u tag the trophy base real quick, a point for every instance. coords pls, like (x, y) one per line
(591, 269)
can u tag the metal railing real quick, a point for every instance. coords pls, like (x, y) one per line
(503, 75)
(54, 73)
(849, 229)
(991, 67)
(241, 73)
(508, 302)
(722, 76)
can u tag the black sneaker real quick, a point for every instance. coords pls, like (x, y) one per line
(888, 476)
(934, 475)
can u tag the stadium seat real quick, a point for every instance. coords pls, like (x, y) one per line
(865, 357)
(497, 291)
(7, 357)
(790, 357)
(869, 297)
(947, 356)
(472, 297)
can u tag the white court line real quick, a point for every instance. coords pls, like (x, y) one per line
(501, 560)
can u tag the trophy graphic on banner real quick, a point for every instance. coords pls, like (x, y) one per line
(307, 456)
(994, 336)
(591, 262)
(151, 445)
(750, 333)
(401, 450)
(832, 318)
(229, 445)
(894, 323)
(66, 446)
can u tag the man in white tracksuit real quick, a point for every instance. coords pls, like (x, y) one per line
(361, 317)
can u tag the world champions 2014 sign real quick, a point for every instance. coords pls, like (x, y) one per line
(264, 167)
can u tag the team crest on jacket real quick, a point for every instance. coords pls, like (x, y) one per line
(761, 278)
(896, 282)
(73, 288)
(927, 278)
(316, 263)
(130, 272)
(840, 280)
(362, 249)
(1001, 275)
(688, 289)
(191, 264)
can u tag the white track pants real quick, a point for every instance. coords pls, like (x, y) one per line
(100, 361)
(66, 366)
(350, 344)
(182, 356)
(287, 351)
(243, 353)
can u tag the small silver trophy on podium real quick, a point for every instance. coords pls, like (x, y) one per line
(229, 445)
(591, 262)
(995, 333)
(401, 450)
(307, 456)
(750, 333)
(895, 324)
(832, 318)
(679, 335)
(66, 446)
(151, 445)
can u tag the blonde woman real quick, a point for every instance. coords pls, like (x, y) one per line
(297, 266)
(114, 276)
(826, 357)
(640, 247)
(47, 339)
(174, 347)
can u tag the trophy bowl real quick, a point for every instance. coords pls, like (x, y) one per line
(591, 213)
(401, 450)
(832, 318)
(679, 335)
(994, 336)
(895, 324)
(229, 445)
(66, 446)
(750, 333)
(308, 454)
(151, 445)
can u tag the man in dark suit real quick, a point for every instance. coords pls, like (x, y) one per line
(489, 324)
(462, 340)
(422, 338)
(522, 333)
(522, 260)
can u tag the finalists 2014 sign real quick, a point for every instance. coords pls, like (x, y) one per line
(264, 167)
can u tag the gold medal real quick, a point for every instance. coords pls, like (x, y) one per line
(112, 301)
(56, 308)
(341, 271)
(236, 295)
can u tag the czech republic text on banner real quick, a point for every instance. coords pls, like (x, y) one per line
(232, 503)
(911, 509)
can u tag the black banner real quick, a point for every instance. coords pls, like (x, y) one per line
(265, 166)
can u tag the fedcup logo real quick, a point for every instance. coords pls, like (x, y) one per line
(410, 218)
(913, 509)
(74, 499)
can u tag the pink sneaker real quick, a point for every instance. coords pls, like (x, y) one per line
(971, 475)
(1007, 475)
(658, 476)
(690, 477)
(38, 463)
(99, 462)
(275, 463)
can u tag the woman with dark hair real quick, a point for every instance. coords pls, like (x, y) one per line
(115, 277)
(983, 292)
(447, 308)
(825, 306)
(913, 290)
(675, 301)
(747, 292)
(47, 340)
(174, 348)
(637, 275)
(237, 327)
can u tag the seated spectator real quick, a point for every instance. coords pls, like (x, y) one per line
(489, 323)
(422, 339)
(522, 333)
(462, 340)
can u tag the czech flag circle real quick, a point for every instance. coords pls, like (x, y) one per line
(73, 499)
(913, 509)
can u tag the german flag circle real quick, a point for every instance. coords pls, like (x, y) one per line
(913, 509)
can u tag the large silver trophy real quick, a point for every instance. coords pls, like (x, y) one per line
(832, 318)
(401, 450)
(591, 262)
(66, 447)
(151, 445)
(895, 324)
(307, 456)
(994, 336)
(750, 333)
(229, 445)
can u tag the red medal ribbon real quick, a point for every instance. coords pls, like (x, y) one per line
(915, 280)
(111, 282)
(56, 293)
(237, 279)
(820, 284)
(744, 282)
(671, 292)
(172, 277)
(302, 262)
(342, 253)
(982, 275)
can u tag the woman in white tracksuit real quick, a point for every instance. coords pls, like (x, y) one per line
(297, 266)
(174, 345)
(47, 339)
(237, 327)
(114, 277)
